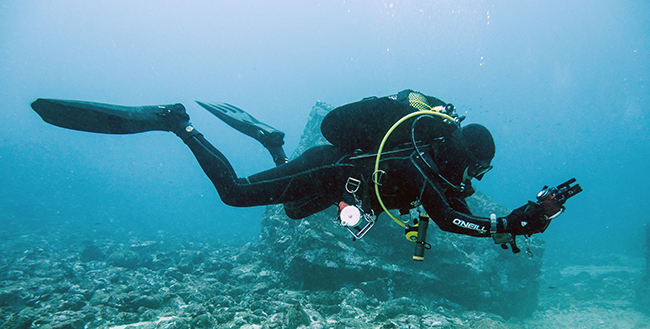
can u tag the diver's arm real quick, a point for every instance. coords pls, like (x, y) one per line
(525, 220)
(451, 220)
(528, 219)
(452, 217)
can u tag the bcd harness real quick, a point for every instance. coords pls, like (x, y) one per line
(351, 213)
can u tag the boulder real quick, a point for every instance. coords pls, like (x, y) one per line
(124, 258)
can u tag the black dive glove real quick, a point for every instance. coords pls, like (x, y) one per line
(535, 217)
(526, 220)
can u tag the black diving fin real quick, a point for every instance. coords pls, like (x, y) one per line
(271, 138)
(108, 118)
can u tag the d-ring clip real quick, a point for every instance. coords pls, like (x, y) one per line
(377, 176)
(352, 185)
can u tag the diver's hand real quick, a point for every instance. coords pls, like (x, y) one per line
(552, 199)
(551, 207)
(526, 220)
(535, 217)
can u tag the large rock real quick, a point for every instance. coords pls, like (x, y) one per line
(316, 253)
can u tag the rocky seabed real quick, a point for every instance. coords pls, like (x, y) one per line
(57, 280)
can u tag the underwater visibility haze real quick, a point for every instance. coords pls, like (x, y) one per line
(562, 86)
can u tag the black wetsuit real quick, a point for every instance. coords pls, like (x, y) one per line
(316, 179)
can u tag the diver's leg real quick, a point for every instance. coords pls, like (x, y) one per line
(214, 164)
(277, 153)
(310, 205)
(319, 173)
(316, 174)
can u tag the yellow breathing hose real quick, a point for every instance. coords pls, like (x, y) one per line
(375, 179)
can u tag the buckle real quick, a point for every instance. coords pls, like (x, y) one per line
(352, 185)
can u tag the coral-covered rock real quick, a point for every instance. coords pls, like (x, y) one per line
(124, 258)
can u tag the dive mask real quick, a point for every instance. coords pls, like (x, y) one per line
(477, 170)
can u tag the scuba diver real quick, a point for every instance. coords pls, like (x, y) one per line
(403, 152)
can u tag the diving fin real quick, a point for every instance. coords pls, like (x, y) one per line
(271, 138)
(110, 119)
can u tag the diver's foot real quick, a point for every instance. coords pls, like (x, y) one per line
(175, 119)
(246, 123)
(271, 138)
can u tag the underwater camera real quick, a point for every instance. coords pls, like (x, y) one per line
(552, 199)
(562, 192)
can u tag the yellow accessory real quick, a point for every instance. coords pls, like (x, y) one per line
(411, 233)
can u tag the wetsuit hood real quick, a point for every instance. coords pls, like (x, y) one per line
(479, 145)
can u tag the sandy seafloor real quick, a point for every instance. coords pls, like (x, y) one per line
(56, 277)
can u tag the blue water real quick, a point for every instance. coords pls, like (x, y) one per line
(563, 86)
